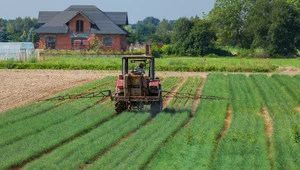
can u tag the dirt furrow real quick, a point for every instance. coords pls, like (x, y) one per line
(298, 109)
(228, 121)
(167, 100)
(269, 131)
(198, 93)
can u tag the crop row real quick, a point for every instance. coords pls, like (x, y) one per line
(170, 83)
(84, 143)
(189, 87)
(136, 151)
(192, 146)
(245, 143)
(33, 109)
(40, 142)
(16, 131)
(290, 84)
(281, 106)
(86, 148)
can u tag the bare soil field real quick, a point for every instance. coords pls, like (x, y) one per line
(20, 87)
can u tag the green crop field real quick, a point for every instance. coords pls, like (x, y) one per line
(258, 129)
(196, 64)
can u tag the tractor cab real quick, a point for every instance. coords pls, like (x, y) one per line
(137, 85)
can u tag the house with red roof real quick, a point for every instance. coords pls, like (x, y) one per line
(80, 26)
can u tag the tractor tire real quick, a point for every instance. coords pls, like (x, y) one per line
(120, 107)
(156, 107)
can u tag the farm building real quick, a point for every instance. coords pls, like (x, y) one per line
(79, 26)
(16, 50)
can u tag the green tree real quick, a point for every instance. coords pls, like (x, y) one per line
(182, 29)
(132, 37)
(228, 17)
(258, 23)
(10, 28)
(283, 34)
(163, 33)
(151, 20)
(3, 35)
(145, 31)
(201, 38)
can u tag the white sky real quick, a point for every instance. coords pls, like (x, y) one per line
(137, 9)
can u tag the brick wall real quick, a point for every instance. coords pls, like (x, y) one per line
(118, 42)
(63, 41)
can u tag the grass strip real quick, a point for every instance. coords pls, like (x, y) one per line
(86, 148)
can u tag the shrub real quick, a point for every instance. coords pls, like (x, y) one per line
(32, 59)
(9, 63)
(156, 51)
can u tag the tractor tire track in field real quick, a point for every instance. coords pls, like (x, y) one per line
(198, 93)
(269, 131)
(50, 150)
(227, 123)
(167, 100)
(298, 109)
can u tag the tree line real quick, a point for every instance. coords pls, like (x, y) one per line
(270, 25)
(18, 30)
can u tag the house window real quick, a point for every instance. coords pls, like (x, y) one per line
(79, 26)
(107, 41)
(50, 42)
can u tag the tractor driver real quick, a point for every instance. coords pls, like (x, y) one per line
(140, 69)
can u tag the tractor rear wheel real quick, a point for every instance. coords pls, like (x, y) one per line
(156, 107)
(120, 107)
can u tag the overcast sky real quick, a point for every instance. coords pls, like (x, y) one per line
(137, 9)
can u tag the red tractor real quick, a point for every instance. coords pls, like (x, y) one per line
(137, 85)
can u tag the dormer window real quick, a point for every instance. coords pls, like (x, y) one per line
(79, 26)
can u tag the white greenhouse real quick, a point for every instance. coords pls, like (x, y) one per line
(16, 50)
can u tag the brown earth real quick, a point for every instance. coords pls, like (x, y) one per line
(298, 109)
(268, 123)
(20, 87)
(228, 121)
(269, 131)
(198, 93)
